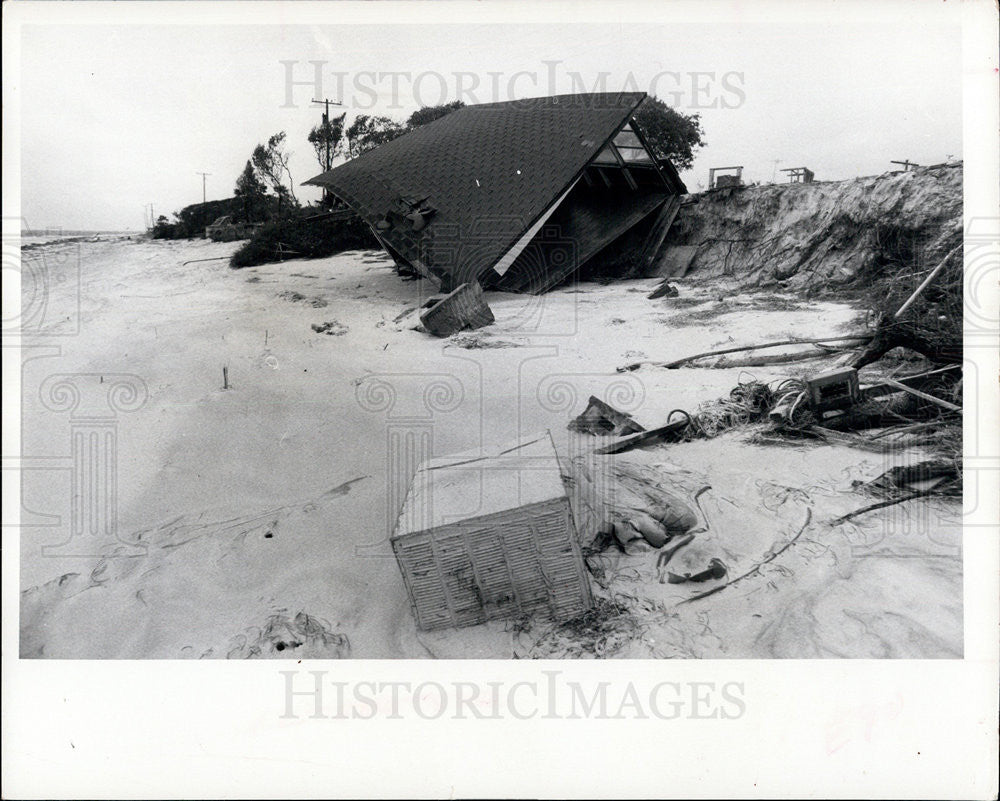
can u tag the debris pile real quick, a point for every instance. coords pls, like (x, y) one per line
(282, 637)
(331, 328)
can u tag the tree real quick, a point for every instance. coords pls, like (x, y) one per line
(669, 133)
(164, 229)
(271, 162)
(427, 114)
(368, 132)
(251, 194)
(326, 140)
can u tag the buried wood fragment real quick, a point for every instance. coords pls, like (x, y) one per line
(602, 419)
(332, 328)
(463, 308)
(715, 570)
(664, 290)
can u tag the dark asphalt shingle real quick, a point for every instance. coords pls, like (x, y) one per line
(489, 170)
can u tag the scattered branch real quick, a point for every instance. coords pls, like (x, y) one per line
(880, 505)
(774, 555)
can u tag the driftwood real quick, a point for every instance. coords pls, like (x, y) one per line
(880, 505)
(922, 395)
(679, 362)
(780, 358)
(918, 381)
(214, 258)
(646, 437)
(925, 283)
(886, 340)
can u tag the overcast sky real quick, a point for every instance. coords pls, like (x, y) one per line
(116, 117)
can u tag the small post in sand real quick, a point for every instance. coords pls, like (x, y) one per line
(225, 377)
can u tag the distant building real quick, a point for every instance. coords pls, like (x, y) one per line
(730, 176)
(799, 175)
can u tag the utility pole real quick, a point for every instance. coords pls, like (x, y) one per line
(203, 175)
(327, 158)
(327, 161)
(774, 172)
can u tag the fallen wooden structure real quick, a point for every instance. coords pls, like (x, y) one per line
(464, 308)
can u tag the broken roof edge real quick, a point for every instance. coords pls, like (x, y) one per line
(560, 196)
(667, 166)
(632, 100)
(664, 164)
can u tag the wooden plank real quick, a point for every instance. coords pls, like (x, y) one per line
(678, 362)
(677, 261)
(915, 381)
(925, 283)
(666, 217)
(939, 401)
(644, 437)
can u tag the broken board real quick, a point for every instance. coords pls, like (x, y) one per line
(676, 261)
(464, 308)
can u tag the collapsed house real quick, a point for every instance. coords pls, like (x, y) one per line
(517, 195)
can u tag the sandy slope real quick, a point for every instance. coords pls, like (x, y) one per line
(260, 512)
(827, 232)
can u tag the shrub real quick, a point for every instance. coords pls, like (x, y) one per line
(164, 229)
(196, 217)
(300, 238)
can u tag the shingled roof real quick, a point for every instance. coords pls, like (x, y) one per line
(482, 176)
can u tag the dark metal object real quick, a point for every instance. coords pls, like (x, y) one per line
(833, 389)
